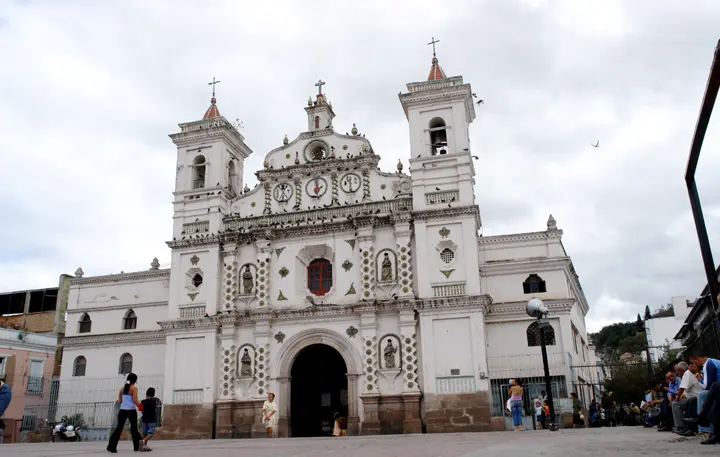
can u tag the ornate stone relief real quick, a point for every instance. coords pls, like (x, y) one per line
(404, 270)
(230, 282)
(347, 265)
(368, 273)
(283, 272)
(227, 361)
(351, 290)
(192, 296)
(279, 337)
(281, 297)
(316, 187)
(268, 198)
(366, 184)
(444, 232)
(351, 331)
(194, 260)
(279, 251)
(387, 269)
(263, 278)
(370, 366)
(247, 283)
(351, 243)
(283, 192)
(409, 361)
(263, 369)
(350, 183)
(447, 273)
(335, 192)
(298, 192)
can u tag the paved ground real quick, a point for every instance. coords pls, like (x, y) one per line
(615, 442)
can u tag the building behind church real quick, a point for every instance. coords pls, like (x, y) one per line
(340, 287)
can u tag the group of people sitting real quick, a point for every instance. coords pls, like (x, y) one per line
(688, 399)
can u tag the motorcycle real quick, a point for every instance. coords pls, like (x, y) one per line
(65, 433)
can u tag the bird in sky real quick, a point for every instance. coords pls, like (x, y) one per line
(481, 102)
(596, 145)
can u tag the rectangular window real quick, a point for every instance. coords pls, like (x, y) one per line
(35, 380)
(3, 364)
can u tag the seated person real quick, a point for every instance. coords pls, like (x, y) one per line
(340, 428)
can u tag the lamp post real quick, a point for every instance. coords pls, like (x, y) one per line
(535, 308)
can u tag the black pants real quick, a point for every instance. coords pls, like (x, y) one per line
(712, 405)
(124, 415)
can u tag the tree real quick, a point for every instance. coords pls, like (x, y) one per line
(664, 311)
(639, 322)
(628, 383)
(633, 344)
(647, 312)
(607, 340)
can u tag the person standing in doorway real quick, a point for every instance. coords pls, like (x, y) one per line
(577, 410)
(5, 398)
(128, 400)
(516, 404)
(270, 416)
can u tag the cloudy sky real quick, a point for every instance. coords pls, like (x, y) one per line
(90, 90)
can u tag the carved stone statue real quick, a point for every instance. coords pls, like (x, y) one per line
(246, 365)
(389, 354)
(386, 271)
(247, 281)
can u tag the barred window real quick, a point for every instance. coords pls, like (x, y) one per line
(447, 255)
(533, 335)
(79, 366)
(534, 284)
(130, 320)
(320, 276)
(126, 362)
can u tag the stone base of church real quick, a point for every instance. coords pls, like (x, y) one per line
(391, 414)
(239, 419)
(186, 422)
(450, 413)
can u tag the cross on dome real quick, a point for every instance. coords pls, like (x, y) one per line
(436, 73)
(319, 85)
(212, 111)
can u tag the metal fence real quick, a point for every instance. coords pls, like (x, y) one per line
(533, 388)
(702, 339)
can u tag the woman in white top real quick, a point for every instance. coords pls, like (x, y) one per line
(270, 415)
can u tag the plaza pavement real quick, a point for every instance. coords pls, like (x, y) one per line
(615, 442)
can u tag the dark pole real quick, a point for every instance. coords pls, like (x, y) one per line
(706, 109)
(542, 324)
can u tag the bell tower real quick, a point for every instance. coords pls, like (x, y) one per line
(320, 112)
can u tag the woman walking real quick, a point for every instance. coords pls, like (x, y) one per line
(128, 400)
(270, 415)
(516, 404)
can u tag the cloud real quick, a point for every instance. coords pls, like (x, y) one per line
(91, 90)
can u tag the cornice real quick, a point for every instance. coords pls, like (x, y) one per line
(194, 241)
(132, 276)
(446, 213)
(505, 310)
(324, 166)
(521, 237)
(113, 339)
(454, 302)
(523, 266)
(93, 309)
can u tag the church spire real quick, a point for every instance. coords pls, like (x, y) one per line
(212, 111)
(436, 73)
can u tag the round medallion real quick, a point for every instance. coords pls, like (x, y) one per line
(283, 192)
(350, 183)
(316, 187)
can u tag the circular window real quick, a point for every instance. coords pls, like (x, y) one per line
(447, 255)
(316, 151)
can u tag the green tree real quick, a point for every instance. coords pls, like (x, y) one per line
(607, 340)
(647, 312)
(628, 383)
(633, 344)
(639, 322)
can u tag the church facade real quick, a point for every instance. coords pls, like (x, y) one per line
(341, 288)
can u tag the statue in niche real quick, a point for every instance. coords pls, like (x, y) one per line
(389, 354)
(247, 281)
(386, 273)
(246, 365)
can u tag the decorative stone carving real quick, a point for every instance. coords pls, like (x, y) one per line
(370, 366)
(230, 281)
(192, 296)
(279, 337)
(366, 184)
(409, 361)
(447, 273)
(298, 192)
(247, 281)
(351, 290)
(368, 273)
(285, 141)
(268, 199)
(354, 130)
(444, 232)
(279, 251)
(399, 166)
(281, 297)
(227, 363)
(351, 331)
(351, 243)
(386, 269)
(390, 354)
(404, 271)
(194, 260)
(283, 192)
(316, 187)
(79, 272)
(246, 365)
(347, 265)
(551, 223)
(155, 264)
(350, 183)
(297, 158)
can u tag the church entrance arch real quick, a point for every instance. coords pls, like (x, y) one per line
(318, 375)
(318, 390)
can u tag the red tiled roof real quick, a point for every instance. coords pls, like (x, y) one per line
(436, 73)
(212, 112)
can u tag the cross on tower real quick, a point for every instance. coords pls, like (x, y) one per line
(319, 85)
(213, 85)
(433, 44)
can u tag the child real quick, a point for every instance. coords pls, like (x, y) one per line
(539, 413)
(149, 418)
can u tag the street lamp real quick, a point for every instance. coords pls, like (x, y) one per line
(537, 309)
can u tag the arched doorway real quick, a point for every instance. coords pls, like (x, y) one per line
(319, 389)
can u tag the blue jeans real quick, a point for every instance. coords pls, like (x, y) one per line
(701, 400)
(517, 412)
(5, 397)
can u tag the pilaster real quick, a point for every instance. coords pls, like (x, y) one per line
(410, 353)
(230, 276)
(368, 332)
(403, 238)
(353, 420)
(366, 240)
(228, 361)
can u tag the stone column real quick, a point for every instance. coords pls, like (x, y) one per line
(366, 240)
(262, 367)
(353, 420)
(403, 238)
(412, 422)
(408, 330)
(228, 360)
(371, 419)
(284, 406)
(230, 276)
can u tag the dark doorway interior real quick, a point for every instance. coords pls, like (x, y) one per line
(318, 391)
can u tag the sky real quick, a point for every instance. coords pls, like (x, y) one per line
(90, 90)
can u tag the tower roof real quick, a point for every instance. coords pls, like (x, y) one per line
(212, 111)
(436, 73)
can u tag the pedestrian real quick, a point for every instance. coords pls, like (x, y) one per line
(539, 414)
(609, 406)
(5, 398)
(516, 404)
(128, 401)
(577, 410)
(270, 417)
(149, 418)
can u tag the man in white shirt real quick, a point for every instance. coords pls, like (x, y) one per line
(687, 397)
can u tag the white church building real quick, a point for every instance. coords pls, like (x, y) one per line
(340, 287)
